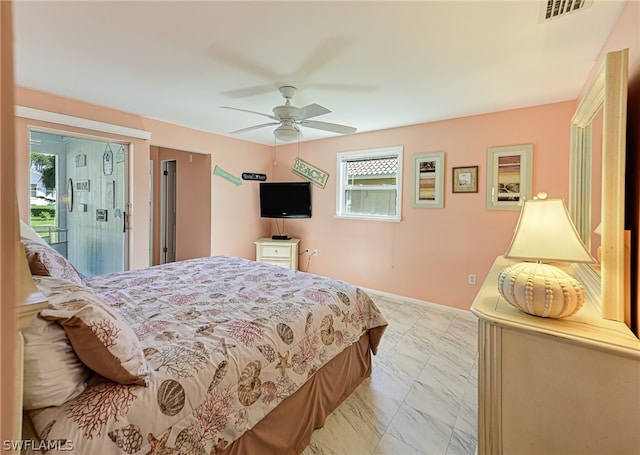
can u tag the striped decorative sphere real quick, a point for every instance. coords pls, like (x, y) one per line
(541, 290)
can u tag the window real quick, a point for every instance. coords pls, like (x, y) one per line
(370, 184)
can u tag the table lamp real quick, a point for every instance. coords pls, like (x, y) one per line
(544, 233)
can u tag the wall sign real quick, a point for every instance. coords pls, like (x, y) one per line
(311, 173)
(83, 185)
(225, 175)
(121, 154)
(80, 160)
(101, 215)
(253, 176)
(107, 161)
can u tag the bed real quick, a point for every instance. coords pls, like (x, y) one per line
(216, 355)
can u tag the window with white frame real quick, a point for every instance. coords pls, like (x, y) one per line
(370, 184)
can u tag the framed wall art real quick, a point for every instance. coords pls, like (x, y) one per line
(509, 176)
(428, 180)
(465, 179)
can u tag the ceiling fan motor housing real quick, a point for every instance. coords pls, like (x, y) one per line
(285, 112)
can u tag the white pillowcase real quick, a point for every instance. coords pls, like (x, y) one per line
(27, 232)
(53, 373)
(100, 336)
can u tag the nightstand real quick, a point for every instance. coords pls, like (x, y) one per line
(279, 252)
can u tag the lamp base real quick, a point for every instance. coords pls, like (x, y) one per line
(541, 290)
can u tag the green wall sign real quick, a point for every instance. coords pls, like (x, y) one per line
(225, 175)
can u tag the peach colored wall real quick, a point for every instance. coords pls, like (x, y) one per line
(234, 220)
(625, 34)
(431, 252)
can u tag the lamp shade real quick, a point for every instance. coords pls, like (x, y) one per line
(545, 232)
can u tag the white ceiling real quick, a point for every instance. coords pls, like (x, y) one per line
(375, 65)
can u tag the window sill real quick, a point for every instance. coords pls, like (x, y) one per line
(368, 218)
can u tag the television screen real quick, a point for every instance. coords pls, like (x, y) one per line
(285, 199)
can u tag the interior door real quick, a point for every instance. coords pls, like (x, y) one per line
(168, 212)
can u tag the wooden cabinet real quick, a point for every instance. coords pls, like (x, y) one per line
(279, 252)
(554, 386)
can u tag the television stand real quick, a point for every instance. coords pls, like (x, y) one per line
(280, 237)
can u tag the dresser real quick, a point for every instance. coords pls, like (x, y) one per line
(279, 252)
(554, 386)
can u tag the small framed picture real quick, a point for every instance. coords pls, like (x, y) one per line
(428, 180)
(465, 179)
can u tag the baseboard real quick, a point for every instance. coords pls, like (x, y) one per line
(416, 301)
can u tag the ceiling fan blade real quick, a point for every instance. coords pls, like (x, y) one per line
(312, 110)
(333, 127)
(246, 92)
(251, 128)
(273, 117)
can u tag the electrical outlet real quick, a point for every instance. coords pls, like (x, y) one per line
(472, 278)
(314, 252)
(307, 252)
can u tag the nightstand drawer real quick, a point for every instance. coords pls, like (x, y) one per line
(278, 252)
(275, 251)
(286, 263)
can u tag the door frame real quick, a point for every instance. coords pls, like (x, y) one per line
(126, 244)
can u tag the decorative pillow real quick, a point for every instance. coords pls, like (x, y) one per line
(101, 338)
(53, 373)
(45, 261)
(27, 232)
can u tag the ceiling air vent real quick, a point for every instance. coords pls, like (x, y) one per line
(553, 9)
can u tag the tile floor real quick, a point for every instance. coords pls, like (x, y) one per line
(422, 395)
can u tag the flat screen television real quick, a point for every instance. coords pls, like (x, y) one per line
(285, 199)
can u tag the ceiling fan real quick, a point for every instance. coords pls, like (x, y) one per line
(290, 118)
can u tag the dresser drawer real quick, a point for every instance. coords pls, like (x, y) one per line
(275, 251)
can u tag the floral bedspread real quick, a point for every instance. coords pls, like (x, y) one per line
(226, 340)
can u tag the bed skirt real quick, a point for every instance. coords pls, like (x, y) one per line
(287, 429)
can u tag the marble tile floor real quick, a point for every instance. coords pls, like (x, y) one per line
(422, 395)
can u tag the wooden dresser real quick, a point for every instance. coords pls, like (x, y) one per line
(554, 386)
